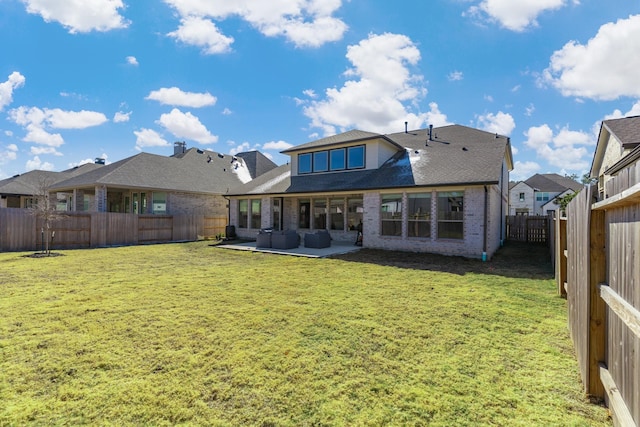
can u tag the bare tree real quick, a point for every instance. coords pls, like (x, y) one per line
(44, 208)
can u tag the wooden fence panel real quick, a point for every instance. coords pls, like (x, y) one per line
(155, 228)
(523, 228)
(18, 230)
(121, 229)
(214, 226)
(578, 295)
(71, 231)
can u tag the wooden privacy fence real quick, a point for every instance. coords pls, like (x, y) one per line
(20, 230)
(524, 228)
(597, 249)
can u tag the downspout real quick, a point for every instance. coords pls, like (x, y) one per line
(486, 223)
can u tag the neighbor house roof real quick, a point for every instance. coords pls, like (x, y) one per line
(194, 171)
(626, 130)
(552, 183)
(30, 183)
(456, 155)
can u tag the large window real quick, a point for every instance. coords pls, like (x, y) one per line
(391, 214)
(354, 212)
(419, 211)
(542, 197)
(159, 202)
(355, 157)
(304, 163)
(304, 213)
(255, 213)
(332, 160)
(321, 161)
(336, 214)
(337, 159)
(319, 214)
(451, 215)
(243, 213)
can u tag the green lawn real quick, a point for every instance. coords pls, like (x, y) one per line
(198, 335)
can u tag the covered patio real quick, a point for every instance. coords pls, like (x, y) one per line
(336, 248)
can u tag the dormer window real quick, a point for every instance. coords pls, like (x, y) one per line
(332, 160)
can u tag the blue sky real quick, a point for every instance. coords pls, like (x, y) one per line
(111, 78)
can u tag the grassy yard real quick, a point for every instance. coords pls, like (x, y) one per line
(198, 335)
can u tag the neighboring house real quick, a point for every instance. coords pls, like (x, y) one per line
(618, 147)
(439, 190)
(538, 194)
(21, 190)
(190, 181)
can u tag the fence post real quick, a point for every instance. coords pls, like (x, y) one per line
(597, 306)
(561, 255)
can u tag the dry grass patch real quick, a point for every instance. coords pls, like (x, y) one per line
(192, 334)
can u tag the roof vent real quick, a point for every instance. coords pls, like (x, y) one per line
(179, 147)
(100, 161)
(406, 129)
(430, 132)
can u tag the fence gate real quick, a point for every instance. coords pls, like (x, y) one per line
(523, 228)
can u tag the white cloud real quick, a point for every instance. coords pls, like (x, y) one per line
(15, 81)
(605, 68)
(514, 15)
(120, 117)
(435, 117)
(39, 150)
(80, 16)
(377, 100)
(455, 76)
(566, 150)
(149, 138)
(310, 93)
(617, 114)
(500, 123)
(277, 145)
(227, 112)
(186, 125)
(37, 164)
(88, 161)
(307, 23)
(203, 33)
(8, 154)
(529, 110)
(36, 121)
(239, 148)
(523, 170)
(176, 97)
(132, 60)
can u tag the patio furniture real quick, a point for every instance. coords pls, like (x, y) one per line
(263, 239)
(287, 239)
(319, 239)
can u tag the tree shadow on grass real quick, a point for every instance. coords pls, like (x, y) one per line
(514, 259)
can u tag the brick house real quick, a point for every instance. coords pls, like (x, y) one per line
(438, 190)
(190, 181)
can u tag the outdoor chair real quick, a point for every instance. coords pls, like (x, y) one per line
(287, 239)
(319, 239)
(263, 239)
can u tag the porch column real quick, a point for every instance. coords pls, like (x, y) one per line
(101, 198)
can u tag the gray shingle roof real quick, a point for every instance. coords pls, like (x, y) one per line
(553, 183)
(626, 130)
(29, 183)
(457, 155)
(349, 136)
(195, 171)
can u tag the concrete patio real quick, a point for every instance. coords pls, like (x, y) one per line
(335, 249)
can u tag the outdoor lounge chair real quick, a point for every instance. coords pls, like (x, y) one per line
(319, 239)
(263, 239)
(287, 239)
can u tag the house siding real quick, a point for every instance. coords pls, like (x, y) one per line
(189, 203)
(514, 199)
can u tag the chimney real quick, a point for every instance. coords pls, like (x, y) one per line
(179, 147)
(100, 161)
(430, 132)
(406, 129)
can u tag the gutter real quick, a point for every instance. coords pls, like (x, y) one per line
(486, 222)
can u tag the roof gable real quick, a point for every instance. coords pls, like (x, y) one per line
(352, 136)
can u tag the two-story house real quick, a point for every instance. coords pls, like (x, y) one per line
(439, 190)
(537, 195)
